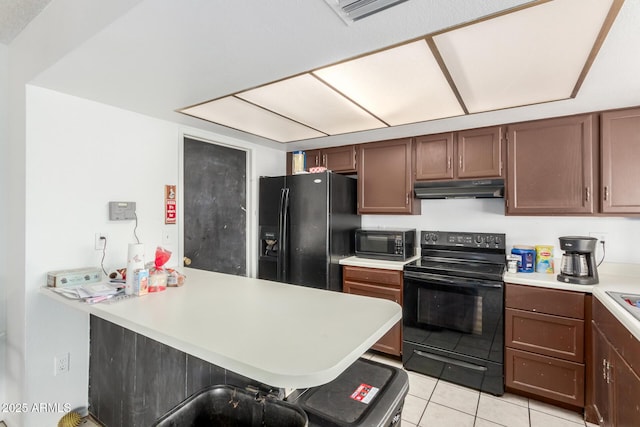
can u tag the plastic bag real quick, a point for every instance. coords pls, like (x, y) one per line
(157, 274)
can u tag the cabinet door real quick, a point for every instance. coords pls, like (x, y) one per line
(385, 184)
(626, 392)
(391, 342)
(314, 158)
(434, 156)
(620, 191)
(602, 400)
(479, 153)
(552, 166)
(340, 159)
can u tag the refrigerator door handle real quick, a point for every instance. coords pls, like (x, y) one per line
(283, 211)
(285, 238)
(280, 236)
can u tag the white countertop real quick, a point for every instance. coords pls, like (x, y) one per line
(612, 277)
(376, 263)
(282, 335)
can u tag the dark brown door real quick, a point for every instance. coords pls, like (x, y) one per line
(391, 342)
(313, 158)
(385, 184)
(626, 393)
(479, 153)
(434, 156)
(340, 159)
(620, 160)
(553, 166)
(601, 394)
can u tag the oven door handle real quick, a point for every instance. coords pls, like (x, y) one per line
(458, 281)
(451, 361)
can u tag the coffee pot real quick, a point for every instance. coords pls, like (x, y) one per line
(578, 264)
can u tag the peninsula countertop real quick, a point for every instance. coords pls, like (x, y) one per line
(279, 334)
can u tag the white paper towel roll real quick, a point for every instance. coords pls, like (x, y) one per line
(135, 261)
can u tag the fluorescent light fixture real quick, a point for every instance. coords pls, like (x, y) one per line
(400, 85)
(307, 100)
(526, 57)
(238, 114)
(536, 53)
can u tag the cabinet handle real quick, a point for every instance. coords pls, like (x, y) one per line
(407, 200)
(460, 161)
(587, 194)
(606, 371)
(324, 160)
(449, 163)
(606, 193)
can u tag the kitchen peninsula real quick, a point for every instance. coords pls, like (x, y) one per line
(149, 353)
(282, 335)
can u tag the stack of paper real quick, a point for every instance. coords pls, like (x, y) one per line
(92, 292)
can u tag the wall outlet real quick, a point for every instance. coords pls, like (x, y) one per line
(61, 364)
(100, 241)
(600, 235)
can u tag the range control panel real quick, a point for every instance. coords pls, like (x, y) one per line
(467, 240)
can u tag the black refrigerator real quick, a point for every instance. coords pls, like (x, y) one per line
(307, 223)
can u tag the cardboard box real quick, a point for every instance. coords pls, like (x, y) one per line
(73, 277)
(141, 282)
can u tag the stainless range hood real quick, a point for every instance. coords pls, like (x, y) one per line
(474, 189)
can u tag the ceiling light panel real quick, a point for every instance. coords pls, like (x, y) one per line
(307, 100)
(400, 85)
(526, 57)
(238, 114)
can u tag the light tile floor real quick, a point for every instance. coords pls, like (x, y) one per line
(433, 402)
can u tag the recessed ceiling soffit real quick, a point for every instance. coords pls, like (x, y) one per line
(540, 52)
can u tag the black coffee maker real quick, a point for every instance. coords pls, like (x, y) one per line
(578, 264)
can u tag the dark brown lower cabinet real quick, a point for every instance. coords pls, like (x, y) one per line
(615, 398)
(545, 344)
(377, 283)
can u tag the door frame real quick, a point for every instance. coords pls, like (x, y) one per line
(249, 222)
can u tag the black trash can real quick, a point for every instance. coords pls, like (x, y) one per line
(367, 394)
(223, 405)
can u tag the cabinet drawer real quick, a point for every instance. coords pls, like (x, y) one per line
(373, 275)
(543, 300)
(545, 376)
(545, 334)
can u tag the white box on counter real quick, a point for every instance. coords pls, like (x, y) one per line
(73, 277)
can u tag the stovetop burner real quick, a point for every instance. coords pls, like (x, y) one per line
(458, 268)
(459, 254)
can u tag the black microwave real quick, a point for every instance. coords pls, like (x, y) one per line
(387, 244)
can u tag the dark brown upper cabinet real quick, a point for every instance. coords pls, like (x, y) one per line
(620, 151)
(385, 178)
(337, 159)
(434, 156)
(474, 153)
(479, 153)
(553, 166)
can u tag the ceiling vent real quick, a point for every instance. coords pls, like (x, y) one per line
(354, 10)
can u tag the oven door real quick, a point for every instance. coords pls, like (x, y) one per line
(453, 328)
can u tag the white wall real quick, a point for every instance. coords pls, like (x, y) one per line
(4, 220)
(81, 155)
(487, 215)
